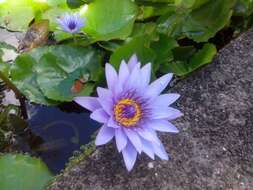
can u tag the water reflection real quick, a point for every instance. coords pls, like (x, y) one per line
(61, 131)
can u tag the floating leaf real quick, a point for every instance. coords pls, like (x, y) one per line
(23, 172)
(163, 49)
(24, 77)
(200, 58)
(75, 3)
(60, 66)
(199, 24)
(16, 15)
(109, 19)
(138, 45)
(47, 75)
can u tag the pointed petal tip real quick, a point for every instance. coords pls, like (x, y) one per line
(104, 135)
(99, 115)
(132, 62)
(134, 57)
(129, 155)
(110, 75)
(90, 103)
(177, 115)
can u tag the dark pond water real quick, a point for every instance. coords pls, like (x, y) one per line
(60, 130)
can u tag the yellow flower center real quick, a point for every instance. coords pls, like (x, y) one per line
(127, 112)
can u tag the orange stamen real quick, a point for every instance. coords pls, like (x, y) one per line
(119, 110)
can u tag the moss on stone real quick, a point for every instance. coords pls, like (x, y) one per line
(78, 156)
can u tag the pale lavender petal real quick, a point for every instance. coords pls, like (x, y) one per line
(123, 73)
(146, 133)
(156, 87)
(175, 113)
(134, 82)
(105, 98)
(121, 139)
(147, 147)
(105, 134)
(162, 125)
(100, 115)
(118, 88)
(168, 113)
(160, 151)
(133, 61)
(111, 76)
(129, 154)
(151, 135)
(146, 74)
(111, 123)
(87, 102)
(71, 23)
(134, 138)
(166, 99)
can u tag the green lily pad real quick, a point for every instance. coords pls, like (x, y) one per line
(193, 61)
(163, 49)
(24, 77)
(51, 74)
(60, 67)
(199, 24)
(139, 45)
(22, 172)
(16, 15)
(109, 19)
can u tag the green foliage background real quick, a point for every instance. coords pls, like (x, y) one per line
(177, 36)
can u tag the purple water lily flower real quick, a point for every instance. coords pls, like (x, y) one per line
(71, 23)
(132, 110)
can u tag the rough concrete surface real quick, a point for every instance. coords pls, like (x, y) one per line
(214, 149)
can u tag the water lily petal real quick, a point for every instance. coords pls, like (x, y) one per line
(146, 133)
(134, 138)
(71, 23)
(89, 103)
(149, 134)
(121, 139)
(105, 98)
(156, 87)
(166, 99)
(123, 73)
(148, 148)
(105, 134)
(163, 126)
(133, 61)
(133, 81)
(146, 74)
(129, 154)
(111, 76)
(100, 115)
(168, 113)
(111, 123)
(160, 151)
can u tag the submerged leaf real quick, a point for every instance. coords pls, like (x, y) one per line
(36, 35)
